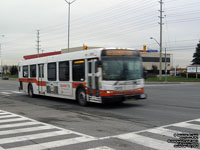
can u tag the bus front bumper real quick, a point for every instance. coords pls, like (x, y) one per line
(125, 97)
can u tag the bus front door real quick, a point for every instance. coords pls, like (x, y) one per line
(93, 85)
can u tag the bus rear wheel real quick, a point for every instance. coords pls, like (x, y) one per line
(81, 97)
(30, 91)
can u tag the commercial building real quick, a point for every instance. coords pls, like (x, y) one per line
(151, 62)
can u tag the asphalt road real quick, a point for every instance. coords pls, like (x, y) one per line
(122, 127)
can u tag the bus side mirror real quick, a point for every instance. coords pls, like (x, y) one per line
(99, 63)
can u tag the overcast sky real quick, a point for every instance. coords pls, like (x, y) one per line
(104, 23)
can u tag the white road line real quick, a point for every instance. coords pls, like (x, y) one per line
(197, 120)
(54, 144)
(148, 142)
(4, 112)
(165, 132)
(8, 116)
(37, 122)
(25, 130)
(5, 92)
(17, 92)
(12, 120)
(33, 136)
(18, 124)
(187, 125)
(101, 148)
(1, 148)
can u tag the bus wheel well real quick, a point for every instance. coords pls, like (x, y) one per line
(30, 90)
(78, 88)
(81, 95)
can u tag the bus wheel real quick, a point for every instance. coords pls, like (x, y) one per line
(30, 91)
(81, 97)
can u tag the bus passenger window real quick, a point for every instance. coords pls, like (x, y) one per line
(33, 71)
(25, 71)
(52, 71)
(64, 71)
(78, 70)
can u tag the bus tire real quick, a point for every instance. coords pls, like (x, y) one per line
(30, 91)
(81, 97)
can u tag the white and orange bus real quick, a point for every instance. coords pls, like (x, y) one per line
(97, 75)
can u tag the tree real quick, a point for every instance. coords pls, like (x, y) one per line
(13, 70)
(154, 69)
(196, 55)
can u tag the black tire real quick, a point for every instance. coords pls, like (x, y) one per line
(81, 97)
(30, 91)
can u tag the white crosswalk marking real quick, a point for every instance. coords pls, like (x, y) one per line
(10, 134)
(9, 92)
(1, 148)
(164, 132)
(159, 144)
(18, 124)
(146, 141)
(101, 148)
(33, 136)
(7, 116)
(188, 125)
(12, 120)
(5, 93)
(25, 130)
(54, 144)
(17, 92)
(21, 133)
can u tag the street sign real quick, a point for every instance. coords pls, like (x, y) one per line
(193, 69)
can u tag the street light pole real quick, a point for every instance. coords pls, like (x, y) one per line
(161, 36)
(69, 4)
(160, 70)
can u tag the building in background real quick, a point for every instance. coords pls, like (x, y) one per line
(151, 61)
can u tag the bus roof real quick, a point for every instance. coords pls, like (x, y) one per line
(58, 56)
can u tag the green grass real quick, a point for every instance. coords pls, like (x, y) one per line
(172, 79)
(10, 76)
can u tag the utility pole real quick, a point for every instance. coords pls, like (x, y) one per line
(161, 36)
(165, 64)
(38, 43)
(69, 4)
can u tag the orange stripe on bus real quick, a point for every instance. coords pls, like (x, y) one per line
(76, 84)
(27, 80)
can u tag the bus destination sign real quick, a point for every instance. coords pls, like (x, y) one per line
(119, 53)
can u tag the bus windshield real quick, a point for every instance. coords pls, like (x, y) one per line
(121, 68)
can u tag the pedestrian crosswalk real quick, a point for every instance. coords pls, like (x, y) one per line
(21, 133)
(156, 138)
(9, 92)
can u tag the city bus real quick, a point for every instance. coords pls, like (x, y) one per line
(98, 75)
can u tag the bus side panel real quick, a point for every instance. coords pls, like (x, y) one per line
(35, 88)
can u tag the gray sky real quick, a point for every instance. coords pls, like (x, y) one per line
(106, 23)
